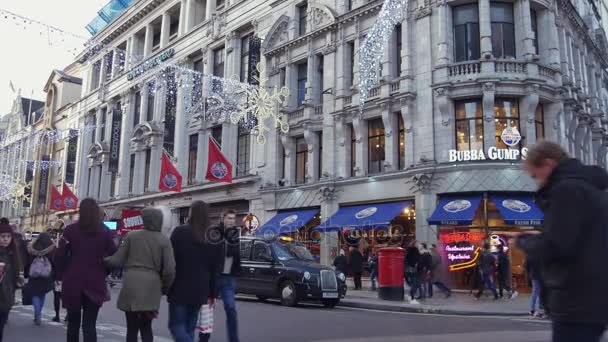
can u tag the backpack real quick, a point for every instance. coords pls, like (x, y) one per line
(41, 267)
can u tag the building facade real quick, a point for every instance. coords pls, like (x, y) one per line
(464, 88)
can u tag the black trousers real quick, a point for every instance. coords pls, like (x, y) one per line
(85, 316)
(138, 322)
(357, 280)
(3, 319)
(57, 302)
(579, 332)
(203, 337)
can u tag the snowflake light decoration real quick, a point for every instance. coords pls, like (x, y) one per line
(262, 104)
(14, 191)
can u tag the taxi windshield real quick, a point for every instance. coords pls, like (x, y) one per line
(288, 251)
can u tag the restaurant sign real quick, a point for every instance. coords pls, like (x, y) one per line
(510, 136)
(461, 249)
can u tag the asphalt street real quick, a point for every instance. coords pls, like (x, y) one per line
(272, 322)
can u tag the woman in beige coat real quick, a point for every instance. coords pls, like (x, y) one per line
(147, 257)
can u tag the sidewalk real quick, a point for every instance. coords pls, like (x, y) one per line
(460, 303)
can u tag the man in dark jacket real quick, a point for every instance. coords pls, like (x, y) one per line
(487, 267)
(231, 266)
(341, 263)
(573, 246)
(504, 274)
(355, 261)
(412, 259)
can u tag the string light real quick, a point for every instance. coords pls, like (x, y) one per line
(44, 137)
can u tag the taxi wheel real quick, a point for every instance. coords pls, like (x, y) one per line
(288, 294)
(262, 298)
(330, 303)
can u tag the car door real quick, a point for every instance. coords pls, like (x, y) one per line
(243, 285)
(264, 269)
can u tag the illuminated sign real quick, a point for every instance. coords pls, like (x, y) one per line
(510, 136)
(462, 249)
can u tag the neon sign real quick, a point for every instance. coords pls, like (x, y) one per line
(461, 249)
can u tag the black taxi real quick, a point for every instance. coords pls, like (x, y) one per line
(281, 268)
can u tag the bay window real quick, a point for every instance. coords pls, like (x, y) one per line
(469, 125)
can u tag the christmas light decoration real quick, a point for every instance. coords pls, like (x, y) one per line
(14, 191)
(35, 139)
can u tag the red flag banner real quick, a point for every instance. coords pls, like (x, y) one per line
(219, 169)
(70, 201)
(170, 179)
(56, 200)
(131, 220)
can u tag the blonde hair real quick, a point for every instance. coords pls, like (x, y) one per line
(545, 150)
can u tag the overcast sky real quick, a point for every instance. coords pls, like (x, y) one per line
(30, 54)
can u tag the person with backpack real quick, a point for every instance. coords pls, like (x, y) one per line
(41, 272)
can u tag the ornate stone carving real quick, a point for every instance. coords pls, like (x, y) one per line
(443, 105)
(423, 12)
(422, 182)
(489, 86)
(278, 33)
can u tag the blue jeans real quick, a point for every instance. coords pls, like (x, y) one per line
(374, 277)
(182, 321)
(535, 296)
(38, 304)
(579, 332)
(227, 291)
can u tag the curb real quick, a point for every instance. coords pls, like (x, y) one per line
(425, 309)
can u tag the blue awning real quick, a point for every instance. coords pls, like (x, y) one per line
(518, 210)
(287, 222)
(364, 217)
(455, 211)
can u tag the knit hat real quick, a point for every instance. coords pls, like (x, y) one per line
(5, 228)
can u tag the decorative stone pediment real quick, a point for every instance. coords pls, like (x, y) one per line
(146, 135)
(320, 15)
(278, 34)
(97, 154)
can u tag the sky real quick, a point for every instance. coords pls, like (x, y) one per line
(31, 51)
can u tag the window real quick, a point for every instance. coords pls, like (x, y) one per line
(397, 51)
(469, 125)
(350, 50)
(151, 96)
(303, 16)
(104, 115)
(109, 60)
(218, 68)
(261, 251)
(137, 109)
(243, 152)
(401, 142)
(93, 122)
(220, 3)
(534, 19)
(216, 133)
(353, 151)
(121, 54)
(503, 30)
(301, 160)
(95, 75)
(349, 5)
(174, 24)
(282, 77)
(539, 122)
(466, 32)
(245, 58)
(376, 146)
(192, 152)
(131, 172)
(302, 79)
(320, 155)
(320, 62)
(156, 30)
(245, 249)
(506, 112)
(147, 170)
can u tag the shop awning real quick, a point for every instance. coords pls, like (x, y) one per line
(518, 210)
(287, 222)
(364, 217)
(455, 211)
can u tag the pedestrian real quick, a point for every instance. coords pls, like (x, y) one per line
(79, 264)
(355, 263)
(41, 276)
(147, 256)
(373, 265)
(572, 247)
(424, 271)
(230, 269)
(533, 271)
(341, 262)
(10, 273)
(198, 253)
(412, 258)
(56, 283)
(504, 274)
(487, 268)
(438, 275)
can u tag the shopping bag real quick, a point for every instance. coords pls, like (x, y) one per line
(205, 320)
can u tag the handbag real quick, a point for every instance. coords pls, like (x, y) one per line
(205, 320)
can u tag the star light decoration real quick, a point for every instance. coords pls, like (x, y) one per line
(262, 104)
(14, 191)
(392, 13)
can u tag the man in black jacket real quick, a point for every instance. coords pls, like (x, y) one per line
(231, 266)
(573, 247)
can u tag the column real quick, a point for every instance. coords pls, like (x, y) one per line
(312, 140)
(563, 56)
(139, 173)
(330, 138)
(356, 70)
(339, 64)
(485, 29)
(329, 241)
(129, 54)
(115, 62)
(425, 204)
(391, 138)
(230, 133)
(124, 166)
(104, 175)
(407, 114)
(156, 154)
(201, 156)
(164, 30)
(82, 162)
(554, 37)
(442, 44)
(290, 158)
(405, 49)
(311, 76)
(528, 113)
(361, 133)
(184, 13)
(143, 110)
(570, 62)
(148, 40)
(339, 150)
(209, 9)
(528, 36)
(489, 126)
(290, 82)
(98, 116)
(180, 144)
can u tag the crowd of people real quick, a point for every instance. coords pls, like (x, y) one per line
(191, 266)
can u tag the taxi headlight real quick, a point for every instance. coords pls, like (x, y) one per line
(307, 275)
(342, 277)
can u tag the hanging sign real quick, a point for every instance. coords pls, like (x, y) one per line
(131, 220)
(115, 139)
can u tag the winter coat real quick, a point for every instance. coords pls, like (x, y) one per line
(487, 263)
(197, 268)
(426, 263)
(231, 247)
(412, 258)
(355, 261)
(504, 265)
(41, 285)
(573, 246)
(341, 264)
(147, 258)
(79, 261)
(8, 284)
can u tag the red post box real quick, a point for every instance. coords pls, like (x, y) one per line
(390, 273)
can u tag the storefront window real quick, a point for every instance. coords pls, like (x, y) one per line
(401, 143)
(376, 146)
(301, 160)
(506, 112)
(469, 125)
(539, 122)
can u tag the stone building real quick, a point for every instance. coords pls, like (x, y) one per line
(464, 88)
